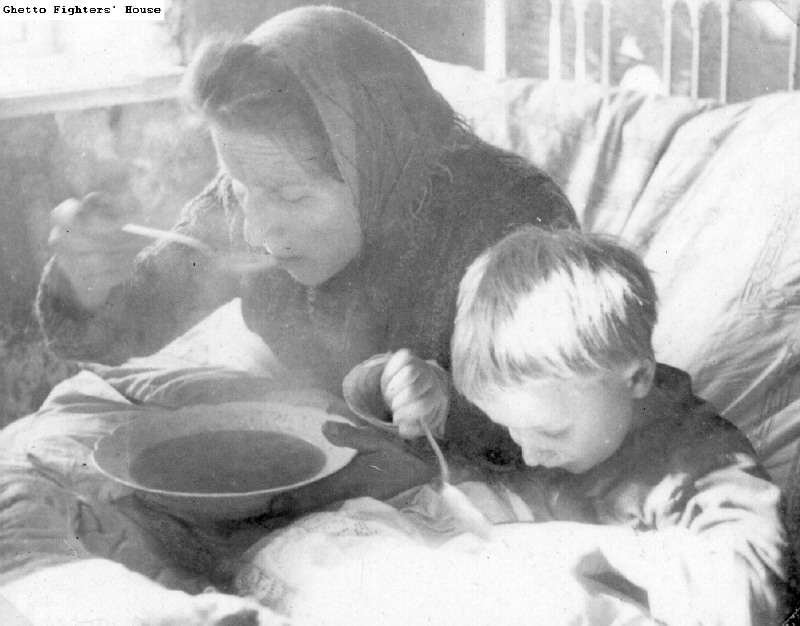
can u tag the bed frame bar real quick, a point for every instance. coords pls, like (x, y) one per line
(495, 39)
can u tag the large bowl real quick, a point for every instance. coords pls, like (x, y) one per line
(118, 453)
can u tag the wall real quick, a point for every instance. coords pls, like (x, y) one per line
(452, 31)
(446, 30)
(27, 186)
(44, 160)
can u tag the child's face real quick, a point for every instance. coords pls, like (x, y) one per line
(572, 423)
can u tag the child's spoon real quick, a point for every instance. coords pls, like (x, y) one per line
(457, 503)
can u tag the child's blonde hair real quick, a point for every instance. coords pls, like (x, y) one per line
(546, 303)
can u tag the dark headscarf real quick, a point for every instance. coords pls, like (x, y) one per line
(388, 128)
(384, 120)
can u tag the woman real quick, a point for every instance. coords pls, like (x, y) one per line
(340, 161)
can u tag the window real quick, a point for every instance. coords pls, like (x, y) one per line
(18, 39)
(56, 65)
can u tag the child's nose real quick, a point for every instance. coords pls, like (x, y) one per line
(537, 456)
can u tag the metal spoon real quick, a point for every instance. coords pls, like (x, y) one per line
(236, 262)
(457, 503)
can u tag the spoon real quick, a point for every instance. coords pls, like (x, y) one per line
(457, 503)
(237, 262)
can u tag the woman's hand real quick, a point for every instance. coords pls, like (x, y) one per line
(89, 247)
(382, 468)
(415, 391)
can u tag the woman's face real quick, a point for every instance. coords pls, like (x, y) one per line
(307, 220)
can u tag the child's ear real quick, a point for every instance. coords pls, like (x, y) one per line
(640, 375)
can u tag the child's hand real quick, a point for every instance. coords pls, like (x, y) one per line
(415, 390)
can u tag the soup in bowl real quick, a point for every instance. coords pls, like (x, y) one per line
(222, 461)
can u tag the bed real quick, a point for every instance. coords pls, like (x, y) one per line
(706, 191)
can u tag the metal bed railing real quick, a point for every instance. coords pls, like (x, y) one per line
(496, 40)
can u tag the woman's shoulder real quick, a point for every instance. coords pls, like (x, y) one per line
(503, 184)
(482, 161)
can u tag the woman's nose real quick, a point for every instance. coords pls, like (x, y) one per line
(263, 222)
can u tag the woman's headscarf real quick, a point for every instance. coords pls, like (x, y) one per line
(384, 120)
(388, 128)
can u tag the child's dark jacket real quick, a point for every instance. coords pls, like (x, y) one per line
(693, 477)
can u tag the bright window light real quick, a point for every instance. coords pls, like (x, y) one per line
(40, 56)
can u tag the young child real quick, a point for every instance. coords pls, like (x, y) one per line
(553, 341)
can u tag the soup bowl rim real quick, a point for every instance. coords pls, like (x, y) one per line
(336, 457)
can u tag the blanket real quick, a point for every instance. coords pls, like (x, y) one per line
(69, 555)
(404, 563)
(75, 547)
(71, 533)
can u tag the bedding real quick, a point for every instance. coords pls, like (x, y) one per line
(706, 192)
(80, 541)
(372, 562)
